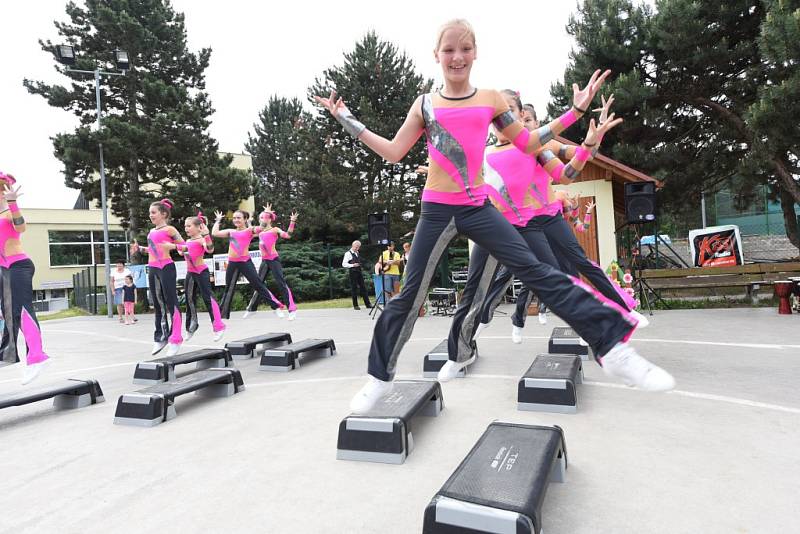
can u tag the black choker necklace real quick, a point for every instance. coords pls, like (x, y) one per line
(498, 145)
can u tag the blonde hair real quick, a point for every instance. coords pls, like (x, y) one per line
(468, 33)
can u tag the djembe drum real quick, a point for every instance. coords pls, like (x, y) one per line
(783, 290)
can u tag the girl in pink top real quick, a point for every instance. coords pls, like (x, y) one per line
(162, 277)
(198, 278)
(239, 262)
(269, 258)
(456, 120)
(16, 287)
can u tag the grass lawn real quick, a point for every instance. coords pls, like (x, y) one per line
(63, 314)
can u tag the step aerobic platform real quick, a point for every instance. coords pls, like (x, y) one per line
(66, 394)
(500, 486)
(163, 369)
(287, 357)
(564, 340)
(246, 348)
(436, 359)
(549, 384)
(154, 405)
(384, 433)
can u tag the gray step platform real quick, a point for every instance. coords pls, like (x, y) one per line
(163, 369)
(66, 394)
(564, 340)
(500, 486)
(549, 384)
(436, 359)
(244, 349)
(154, 405)
(384, 434)
(287, 357)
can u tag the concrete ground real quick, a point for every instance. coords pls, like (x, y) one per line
(717, 455)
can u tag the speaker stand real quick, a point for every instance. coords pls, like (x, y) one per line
(640, 285)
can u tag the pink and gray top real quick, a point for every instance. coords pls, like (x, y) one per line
(158, 257)
(7, 231)
(239, 249)
(194, 251)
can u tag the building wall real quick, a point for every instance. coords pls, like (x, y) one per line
(36, 244)
(602, 191)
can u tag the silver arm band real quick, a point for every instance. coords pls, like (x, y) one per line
(351, 125)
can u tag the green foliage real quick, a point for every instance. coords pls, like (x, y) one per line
(708, 91)
(156, 117)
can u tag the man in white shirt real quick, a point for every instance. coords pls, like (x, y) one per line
(352, 262)
(117, 281)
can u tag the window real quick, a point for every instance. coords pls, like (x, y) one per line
(77, 248)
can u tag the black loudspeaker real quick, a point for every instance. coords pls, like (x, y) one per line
(640, 202)
(378, 228)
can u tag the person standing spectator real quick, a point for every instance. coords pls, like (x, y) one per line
(117, 283)
(352, 262)
(391, 270)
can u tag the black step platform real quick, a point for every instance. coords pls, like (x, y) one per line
(384, 434)
(564, 340)
(154, 405)
(549, 384)
(163, 369)
(246, 348)
(436, 359)
(66, 394)
(287, 357)
(500, 486)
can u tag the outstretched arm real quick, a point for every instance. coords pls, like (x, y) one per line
(17, 219)
(215, 231)
(392, 151)
(292, 221)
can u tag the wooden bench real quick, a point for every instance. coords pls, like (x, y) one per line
(751, 277)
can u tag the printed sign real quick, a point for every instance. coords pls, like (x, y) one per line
(716, 246)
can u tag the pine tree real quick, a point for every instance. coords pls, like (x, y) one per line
(343, 179)
(156, 117)
(277, 145)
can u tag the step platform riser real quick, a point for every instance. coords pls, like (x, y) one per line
(387, 438)
(549, 384)
(247, 349)
(284, 359)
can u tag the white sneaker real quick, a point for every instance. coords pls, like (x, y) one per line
(188, 335)
(157, 346)
(370, 394)
(280, 312)
(30, 372)
(516, 335)
(582, 342)
(172, 349)
(481, 327)
(643, 321)
(624, 362)
(218, 335)
(450, 369)
(248, 313)
(542, 317)
(292, 315)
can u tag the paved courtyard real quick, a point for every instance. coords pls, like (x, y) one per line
(717, 455)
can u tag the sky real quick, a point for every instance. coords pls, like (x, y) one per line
(265, 48)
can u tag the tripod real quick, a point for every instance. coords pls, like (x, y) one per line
(640, 285)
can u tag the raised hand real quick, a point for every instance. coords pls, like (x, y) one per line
(582, 98)
(268, 207)
(605, 108)
(12, 193)
(293, 216)
(589, 206)
(332, 104)
(217, 216)
(596, 132)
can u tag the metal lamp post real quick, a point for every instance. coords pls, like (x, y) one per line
(66, 56)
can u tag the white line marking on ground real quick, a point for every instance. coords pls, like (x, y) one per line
(689, 394)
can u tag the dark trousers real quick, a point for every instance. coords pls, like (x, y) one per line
(538, 244)
(357, 286)
(199, 283)
(572, 258)
(162, 284)
(274, 267)
(248, 270)
(601, 326)
(16, 288)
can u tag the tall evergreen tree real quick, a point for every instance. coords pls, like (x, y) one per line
(156, 117)
(277, 145)
(687, 80)
(344, 180)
